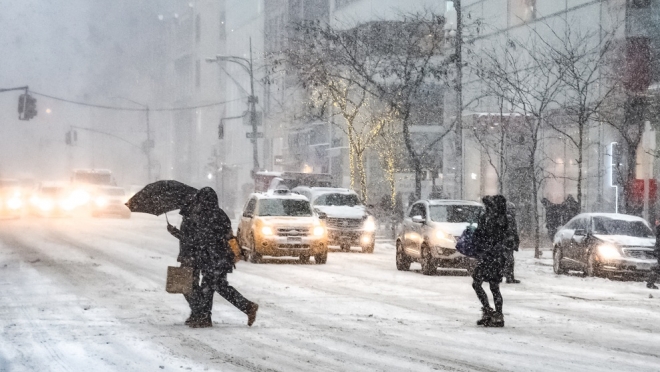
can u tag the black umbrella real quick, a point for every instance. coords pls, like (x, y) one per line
(160, 197)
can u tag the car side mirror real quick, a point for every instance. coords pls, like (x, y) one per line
(322, 215)
(418, 219)
(580, 232)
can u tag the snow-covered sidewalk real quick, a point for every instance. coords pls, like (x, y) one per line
(80, 295)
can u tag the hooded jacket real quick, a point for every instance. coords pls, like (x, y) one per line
(207, 232)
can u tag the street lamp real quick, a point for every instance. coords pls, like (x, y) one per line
(149, 143)
(247, 65)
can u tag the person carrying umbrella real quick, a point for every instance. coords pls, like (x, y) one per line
(208, 231)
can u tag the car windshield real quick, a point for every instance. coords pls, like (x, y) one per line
(610, 226)
(114, 192)
(349, 200)
(455, 213)
(284, 207)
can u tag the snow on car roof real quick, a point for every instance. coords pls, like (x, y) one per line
(453, 202)
(271, 195)
(614, 216)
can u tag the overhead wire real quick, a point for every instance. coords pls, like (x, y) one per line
(121, 108)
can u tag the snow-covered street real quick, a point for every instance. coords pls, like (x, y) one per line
(82, 294)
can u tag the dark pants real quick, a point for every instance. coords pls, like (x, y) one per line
(195, 286)
(488, 273)
(509, 263)
(217, 283)
(655, 272)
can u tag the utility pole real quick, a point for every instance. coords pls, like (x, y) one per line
(459, 98)
(148, 145)
(247, 65)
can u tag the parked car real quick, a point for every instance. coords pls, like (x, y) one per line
(429, 232)
(110, 200)
(348, 222)
(279, 223)
(11, 199)
(52, 200)
(604, 243)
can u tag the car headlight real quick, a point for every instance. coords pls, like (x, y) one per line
(369, 224)
(440, 234)
(14, 203)
(101, 202)
(608, 251)
(318, 231)
(267, 230)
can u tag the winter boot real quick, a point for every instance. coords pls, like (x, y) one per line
(496, 320)
(204, 322)
(485, 318)
(512, 280)
(651, 286)
(252, 313)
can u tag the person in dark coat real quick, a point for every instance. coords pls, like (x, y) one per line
(490, 236)
(187, 258)
(213, 256)
(655, 271)
(511, 244)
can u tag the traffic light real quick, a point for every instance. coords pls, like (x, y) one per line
(27, 107)
(71, 137)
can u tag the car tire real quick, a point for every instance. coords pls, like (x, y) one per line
(428, 263)
(321, 259)
(345, 247)
(304, 259)
(402, 260)
(557, 266)
(253, 255)
(369, 248)
(591, 269)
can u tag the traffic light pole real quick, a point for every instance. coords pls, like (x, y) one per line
(247, 65)
(148, 147)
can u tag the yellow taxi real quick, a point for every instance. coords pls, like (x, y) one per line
(280, 223)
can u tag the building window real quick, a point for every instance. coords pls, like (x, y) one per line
(522, 11)
(198, 28)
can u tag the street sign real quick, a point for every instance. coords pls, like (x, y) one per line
(259, 135)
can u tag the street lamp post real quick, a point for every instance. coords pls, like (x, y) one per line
(149, 144)
(252, 100)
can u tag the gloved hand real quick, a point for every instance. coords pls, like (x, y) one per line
(174, 231)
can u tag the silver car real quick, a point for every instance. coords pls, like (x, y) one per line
(602, 243)
(429, 232)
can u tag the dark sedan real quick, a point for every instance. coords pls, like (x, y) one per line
(604, 243)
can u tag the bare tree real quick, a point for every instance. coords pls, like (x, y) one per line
(522, 74)
(581, 59)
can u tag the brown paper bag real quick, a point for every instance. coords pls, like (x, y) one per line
(179, 280)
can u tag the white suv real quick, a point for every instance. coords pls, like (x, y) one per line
(348, 222)
(429, 232)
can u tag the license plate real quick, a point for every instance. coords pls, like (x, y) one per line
(291, 240)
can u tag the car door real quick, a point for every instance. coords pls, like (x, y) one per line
(245, 226)
(582, 244)
(577, 238)
(415, 234)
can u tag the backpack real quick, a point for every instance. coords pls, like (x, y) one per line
(466, 244)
